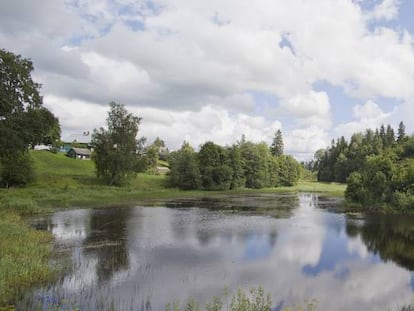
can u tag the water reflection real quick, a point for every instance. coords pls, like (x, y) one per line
(107, 242)
(389, 236)
(142, 258)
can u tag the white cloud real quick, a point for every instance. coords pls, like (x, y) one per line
(311, 109)
(387, 9)
(188, 57)
(368, 115)
(211, 123)
(77, 116)
(304, 142)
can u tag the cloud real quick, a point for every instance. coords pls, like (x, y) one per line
(368, 115)
(48, 18)
(311, 109)
(77, 116)
(387, 10)
(187, 57)
(303, 142)
(211, 123)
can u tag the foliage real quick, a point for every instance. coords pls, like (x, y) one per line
(24, 122)
(152, 156)
(289, 171)
(378, 168)
(215, 172)
(276, 149)
(115, 149)
(17, 169)
(184, 173)
(342, 158)
(244, 164)
(235, 162)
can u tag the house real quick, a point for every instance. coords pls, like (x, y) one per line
(77, 140)
(79, 153)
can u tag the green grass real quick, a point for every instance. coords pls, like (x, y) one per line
(24, 254)
(327, 189)
(63, 182)
(47, 163)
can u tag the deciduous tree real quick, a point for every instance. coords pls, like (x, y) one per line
(115, 148)
(24, 122)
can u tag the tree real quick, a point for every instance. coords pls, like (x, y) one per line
(18, 90)
(45, 127)
(276, 149)
(215, 173)
(24, 122)
(115, 148)
(401, 133)
(288, 171)
(184, 171)
(235, 162)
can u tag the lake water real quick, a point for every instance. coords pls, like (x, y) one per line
(294, 246)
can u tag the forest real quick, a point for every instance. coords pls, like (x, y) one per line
(377, 165)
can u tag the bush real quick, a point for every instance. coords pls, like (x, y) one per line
(17, 170)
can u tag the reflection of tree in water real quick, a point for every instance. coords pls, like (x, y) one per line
(390, 236)
(107, 241)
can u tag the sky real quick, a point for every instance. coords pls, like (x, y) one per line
(200, 71)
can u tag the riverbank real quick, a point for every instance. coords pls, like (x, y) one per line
(61, 183)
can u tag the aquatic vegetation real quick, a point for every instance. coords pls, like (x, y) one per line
(254, 299)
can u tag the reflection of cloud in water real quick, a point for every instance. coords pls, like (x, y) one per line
(301, 241)
(356, 245)
(175, 254)
(70, 227)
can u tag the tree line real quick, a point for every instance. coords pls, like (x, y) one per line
(242, 165)
(119, 155)
(378, 166)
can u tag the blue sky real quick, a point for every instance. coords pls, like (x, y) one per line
(198, 71)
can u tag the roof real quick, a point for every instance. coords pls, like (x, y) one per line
(82, 151)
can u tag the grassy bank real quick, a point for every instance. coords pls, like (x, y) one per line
(24, 255)
(63, 182)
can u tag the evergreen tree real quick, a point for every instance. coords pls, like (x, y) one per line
(276, 149)
(401, 133)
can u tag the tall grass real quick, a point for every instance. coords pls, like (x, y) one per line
(24, 254)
